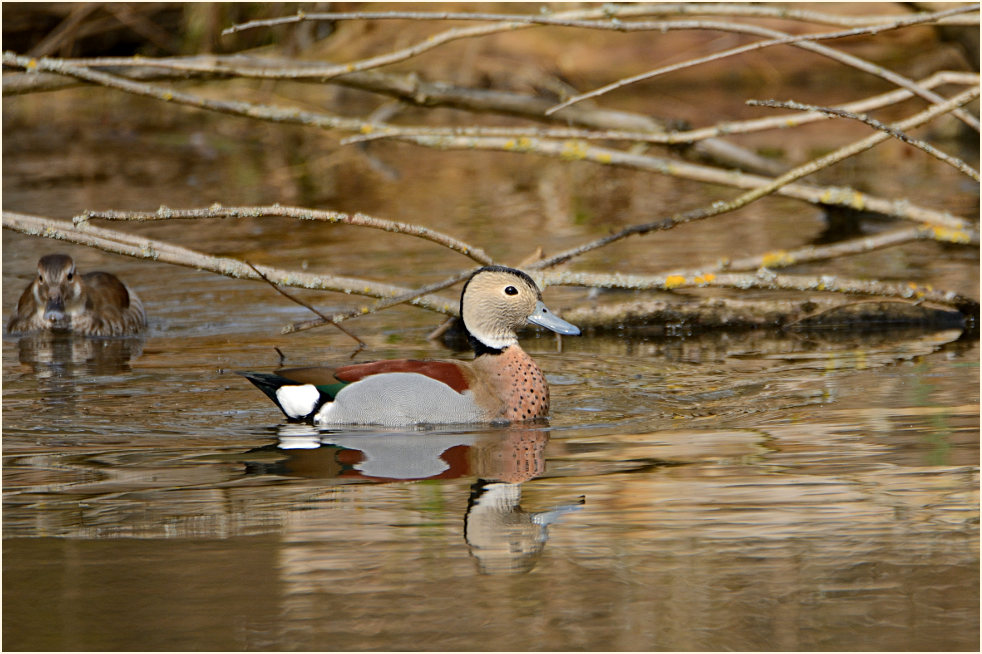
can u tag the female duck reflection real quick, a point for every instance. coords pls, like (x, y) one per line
(501, 535)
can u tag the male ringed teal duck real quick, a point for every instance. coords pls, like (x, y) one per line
(92, 304)
(501, 384)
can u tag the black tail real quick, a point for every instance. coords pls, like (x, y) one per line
(300, 403)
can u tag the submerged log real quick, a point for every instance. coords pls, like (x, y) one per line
(658, 318)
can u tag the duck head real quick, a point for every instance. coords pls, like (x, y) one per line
(497, 301)
(58, 289)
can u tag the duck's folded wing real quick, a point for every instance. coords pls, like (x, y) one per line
(447, 372)
(301, 392)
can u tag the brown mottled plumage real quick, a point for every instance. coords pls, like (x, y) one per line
(501, 384)
(92, 304)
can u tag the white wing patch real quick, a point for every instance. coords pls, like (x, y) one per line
(297, 401)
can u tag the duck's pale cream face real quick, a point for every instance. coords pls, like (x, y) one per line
(497, 303)
(57, 290)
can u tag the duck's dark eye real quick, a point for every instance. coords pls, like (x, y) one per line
(511, 290)
(71, 276)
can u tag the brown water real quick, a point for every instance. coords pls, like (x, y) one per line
(729, 491)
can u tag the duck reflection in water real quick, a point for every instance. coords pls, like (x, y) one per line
(59, 355)
(501, 535)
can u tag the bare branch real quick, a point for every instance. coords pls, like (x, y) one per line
(605, 124)
(805, 42)
(954, 162)
(774, 185)
(570, 150)
(612, 11)
(794, 120)
(144, 248)
(845, 197)
(768, 280)
(810, 253)
(134, 246)
(360, 219)
(672, 137)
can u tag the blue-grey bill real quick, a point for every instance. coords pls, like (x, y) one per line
(545, 318)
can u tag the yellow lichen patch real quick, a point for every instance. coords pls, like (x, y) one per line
(604, 158)
(573, 151)
(366, 128)
(777, 259)
(949, 235)
(858, 201)
(674, 281)
(705, 279)
(168, 96)
(509, 144)
(524, 143)
(32, 64)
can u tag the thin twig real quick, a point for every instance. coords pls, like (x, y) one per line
(768, 280)
(361, 344)
(568, 19)
(667, 137)
(262, 112)
(805, 42)
(811, 253)
(383, 304)
(359, 219)
(794, 120)
(955, 162)
(613, 11)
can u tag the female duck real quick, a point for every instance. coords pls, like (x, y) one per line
(93, 304)
(501, 384)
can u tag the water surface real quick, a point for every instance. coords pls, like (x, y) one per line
(749, 490)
